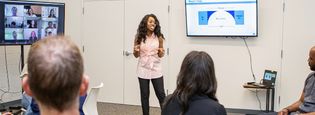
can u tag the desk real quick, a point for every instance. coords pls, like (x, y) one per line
(269, 90)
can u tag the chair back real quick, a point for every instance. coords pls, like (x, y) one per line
(90, 104)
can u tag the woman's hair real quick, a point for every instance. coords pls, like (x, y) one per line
(196, 77)
(51, 13)
(30, 12)
(142, 28)
(51, 10)
(29, 22)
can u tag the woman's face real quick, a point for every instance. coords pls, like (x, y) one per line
(52, 12)
(151, 24)
(33, 22)
(14, 11)
(30, 11)
(50, 24)
(33, 34)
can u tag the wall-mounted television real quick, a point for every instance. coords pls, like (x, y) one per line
(226, 18)
(25, 22)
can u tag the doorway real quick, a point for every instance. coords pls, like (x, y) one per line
(108, 35)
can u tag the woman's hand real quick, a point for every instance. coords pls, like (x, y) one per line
(136, 51)
(161, 50)
(136, 48)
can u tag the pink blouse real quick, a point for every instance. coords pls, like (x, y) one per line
(149, 64)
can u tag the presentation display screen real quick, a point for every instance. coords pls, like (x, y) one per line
(23, 23)
(221, 18)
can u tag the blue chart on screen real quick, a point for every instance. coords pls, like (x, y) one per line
(204, 16)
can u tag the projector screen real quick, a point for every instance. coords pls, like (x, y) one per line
(221, 18)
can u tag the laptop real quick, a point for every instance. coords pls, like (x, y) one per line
(269, 78)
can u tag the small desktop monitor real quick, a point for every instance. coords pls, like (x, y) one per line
(25, 22)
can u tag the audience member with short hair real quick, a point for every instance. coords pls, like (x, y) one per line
(195, 93)
(55, 76)
(306, 103)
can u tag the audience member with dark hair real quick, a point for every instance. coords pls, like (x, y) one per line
(31, 24)
(49, 29)
(30, 13)
(50, 25)
(52, 13)
(55, 76)
(33, 36)
(13, 24)
(195, 93)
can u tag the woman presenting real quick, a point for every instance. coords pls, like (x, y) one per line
(148, 46)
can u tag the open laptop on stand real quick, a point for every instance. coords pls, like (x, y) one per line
(269, 79)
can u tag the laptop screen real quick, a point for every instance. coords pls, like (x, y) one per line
(269, 77)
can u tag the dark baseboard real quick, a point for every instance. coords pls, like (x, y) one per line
(13, 103)
(244, 111)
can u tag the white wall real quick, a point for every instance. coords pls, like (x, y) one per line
(13, 57)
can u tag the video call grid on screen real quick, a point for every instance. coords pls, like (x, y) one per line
(27, 22)
(221, 18)
(269, 76)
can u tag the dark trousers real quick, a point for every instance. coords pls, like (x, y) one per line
(158, 86)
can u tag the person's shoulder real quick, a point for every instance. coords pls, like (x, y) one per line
(312, 74)
(171, 107)
(207, 105)
(161, 39)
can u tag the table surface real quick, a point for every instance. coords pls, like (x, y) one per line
(256, 86)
